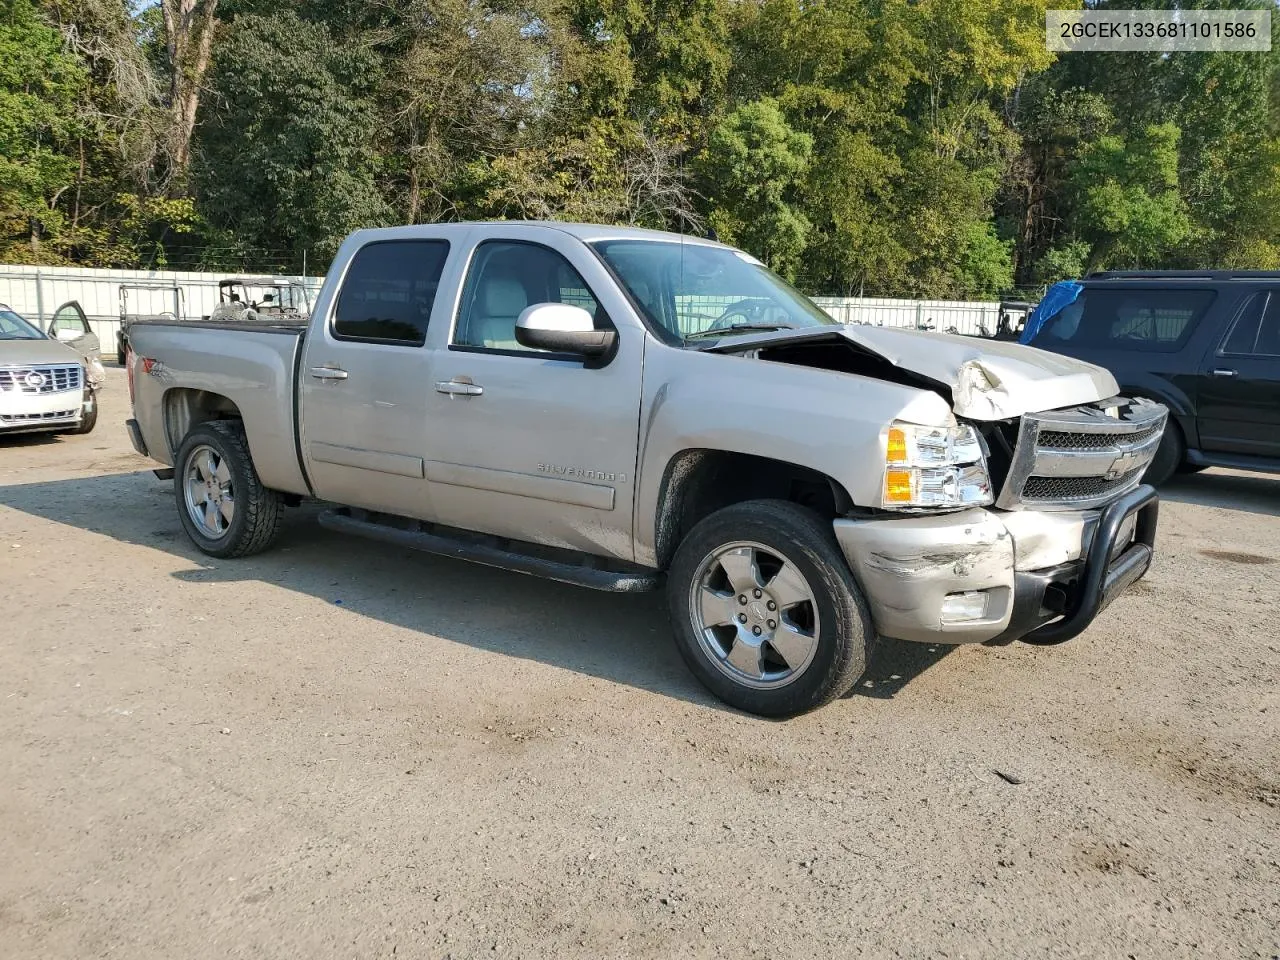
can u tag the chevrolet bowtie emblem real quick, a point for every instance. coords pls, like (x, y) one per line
(1122, 465)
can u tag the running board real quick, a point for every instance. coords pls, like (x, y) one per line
(1233, 461)
(491, 551)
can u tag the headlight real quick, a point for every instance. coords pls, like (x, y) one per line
(934, 467)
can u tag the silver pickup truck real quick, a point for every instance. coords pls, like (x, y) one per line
(623, 409)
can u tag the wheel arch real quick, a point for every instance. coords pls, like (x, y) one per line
(1182, 411)
(184, 407)
(698, 481)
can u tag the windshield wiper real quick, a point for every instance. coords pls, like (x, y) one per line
(737, 328)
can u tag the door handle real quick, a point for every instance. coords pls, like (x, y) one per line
(1224, 372)
(328, 373)
(457, 388)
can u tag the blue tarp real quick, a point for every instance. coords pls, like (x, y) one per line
(1061, 294)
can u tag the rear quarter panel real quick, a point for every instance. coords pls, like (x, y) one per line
(254, 369)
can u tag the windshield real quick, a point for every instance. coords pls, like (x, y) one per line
(13, 327)
(693, 291)
(266, 297)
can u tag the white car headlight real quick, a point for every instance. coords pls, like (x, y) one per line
(934, 467)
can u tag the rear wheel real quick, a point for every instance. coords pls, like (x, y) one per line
(224, 507)
(765, 611)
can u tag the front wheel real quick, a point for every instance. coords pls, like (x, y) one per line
(224, 507)
(765, 610)
(89, 415)
(1169, 456)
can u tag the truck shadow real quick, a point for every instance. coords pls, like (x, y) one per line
(617, 637)
(1255, 493)
(895, 663)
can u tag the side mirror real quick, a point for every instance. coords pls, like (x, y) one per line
(563, 328)
(67, 334)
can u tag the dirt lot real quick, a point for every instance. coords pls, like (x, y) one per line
(341, 749)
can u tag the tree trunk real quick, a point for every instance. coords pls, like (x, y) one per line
(188, 28)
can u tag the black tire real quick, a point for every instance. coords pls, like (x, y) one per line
(255, 522)
(1193, 467)
(1169, 457)
(844, 632)
(122, 351)
(89, 420)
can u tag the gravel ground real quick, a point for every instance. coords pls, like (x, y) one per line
(343, 749)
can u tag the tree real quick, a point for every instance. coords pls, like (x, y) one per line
(39, 91)
(1055, 124)
(189, 31)
(1128, 204)
(985, 266)
(753, 164)
(286, 158)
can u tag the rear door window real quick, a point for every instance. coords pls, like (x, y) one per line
(389, 290)
(1256, 331)
(1134, 319)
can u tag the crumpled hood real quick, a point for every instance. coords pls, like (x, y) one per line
(24, 352)
(988, 379)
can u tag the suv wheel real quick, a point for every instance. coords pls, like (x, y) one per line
(1169, 456)
(766, 612)
(224, 507)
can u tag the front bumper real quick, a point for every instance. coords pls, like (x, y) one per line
(1045, 577)
(28, 413)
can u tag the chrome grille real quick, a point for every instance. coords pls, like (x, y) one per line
(1082, 457)
(37, 417)
(41, 379)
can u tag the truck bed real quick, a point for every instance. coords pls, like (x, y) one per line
(253, 365)
(281, 326)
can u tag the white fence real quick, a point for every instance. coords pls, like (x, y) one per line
(943, 316)
(36, 292)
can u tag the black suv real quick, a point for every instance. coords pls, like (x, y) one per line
(1206, 344)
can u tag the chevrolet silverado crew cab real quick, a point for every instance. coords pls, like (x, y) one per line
(626, 409)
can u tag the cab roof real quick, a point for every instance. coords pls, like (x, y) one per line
(586, 232)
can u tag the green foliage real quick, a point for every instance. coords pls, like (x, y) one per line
(286, 149)
(1128, 204)
(985, 264)
(896, 147)
(752, 165)
(39, 89)
(1069, 261)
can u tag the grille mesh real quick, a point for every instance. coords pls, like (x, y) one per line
(1061, 440)
(1076, 488)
